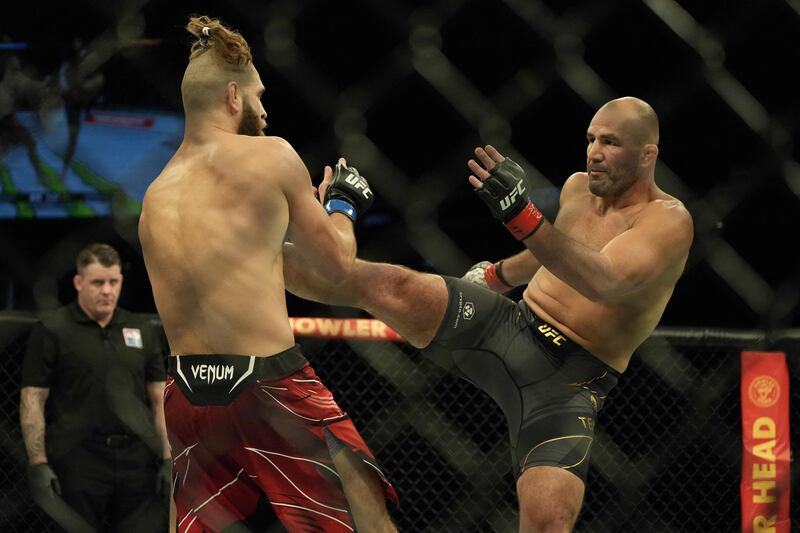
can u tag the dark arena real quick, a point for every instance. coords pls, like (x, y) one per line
(456, 266)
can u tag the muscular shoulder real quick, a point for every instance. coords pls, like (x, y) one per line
(668, 209)
(271, 146)
(668, 214)
(273, 151)
(577, 185)
(275, 157)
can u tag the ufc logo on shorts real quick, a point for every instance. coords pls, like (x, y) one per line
(506, 202)
(358, 183)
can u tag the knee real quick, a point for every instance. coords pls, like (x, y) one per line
(389, 287)
(418, 341)
(398, 284)
(554, 519)
(550, 499)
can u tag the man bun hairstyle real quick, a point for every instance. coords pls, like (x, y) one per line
(219, 56)
(213, 36)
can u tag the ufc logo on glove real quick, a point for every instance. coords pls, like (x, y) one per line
(517, 191)
(358, 183)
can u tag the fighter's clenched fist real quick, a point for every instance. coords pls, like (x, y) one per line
(348, 192)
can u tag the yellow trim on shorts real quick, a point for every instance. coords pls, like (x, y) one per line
(585, 384)
(561, 438)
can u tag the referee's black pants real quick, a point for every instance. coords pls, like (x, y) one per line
(110, 480)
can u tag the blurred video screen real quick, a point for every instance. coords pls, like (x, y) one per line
(117, 155)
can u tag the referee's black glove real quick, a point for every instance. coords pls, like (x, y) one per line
(164, 477)
(42, 481)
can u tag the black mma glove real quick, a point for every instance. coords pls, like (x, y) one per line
(42, 481)
(504, 192)
(348, 193)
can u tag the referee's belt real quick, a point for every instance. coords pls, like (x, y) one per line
(115, 440)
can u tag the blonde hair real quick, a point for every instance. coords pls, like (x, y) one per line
(218, 56)
(227, 44)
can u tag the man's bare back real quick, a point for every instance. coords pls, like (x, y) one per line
(214, 221)
(610, 329)
(212, 229)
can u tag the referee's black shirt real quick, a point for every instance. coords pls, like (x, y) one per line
(97, 376)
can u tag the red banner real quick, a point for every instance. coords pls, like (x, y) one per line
(344, 328)
(765, 437)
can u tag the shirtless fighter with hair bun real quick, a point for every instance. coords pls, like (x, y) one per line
(252, 429)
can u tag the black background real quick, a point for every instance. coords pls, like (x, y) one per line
(735, 174)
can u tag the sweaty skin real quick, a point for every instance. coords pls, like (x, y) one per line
(602, 274)
(605, 270)
(212, 249)
(610, 329)
(212, 229)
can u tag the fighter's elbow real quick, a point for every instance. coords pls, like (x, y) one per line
(597, 293)
(612, 290)
(602, 297)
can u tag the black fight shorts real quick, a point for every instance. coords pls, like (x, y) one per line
(549, 388)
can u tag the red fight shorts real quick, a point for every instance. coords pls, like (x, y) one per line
(248, 439)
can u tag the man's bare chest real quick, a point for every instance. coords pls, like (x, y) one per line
(595, 230)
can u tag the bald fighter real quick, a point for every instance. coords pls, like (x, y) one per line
(598, 279)
(252, 430)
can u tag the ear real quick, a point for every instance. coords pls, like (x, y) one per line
(233, 98)
(76, 282)
(649, 154)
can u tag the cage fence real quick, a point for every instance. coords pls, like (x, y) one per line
(666, 458)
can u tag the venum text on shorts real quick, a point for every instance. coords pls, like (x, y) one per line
(212, 373)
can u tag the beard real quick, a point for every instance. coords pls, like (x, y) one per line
(616, 182)
(250, 123)
(604, 188)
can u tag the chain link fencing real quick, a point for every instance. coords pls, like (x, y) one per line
(405, 90)
(666, 457)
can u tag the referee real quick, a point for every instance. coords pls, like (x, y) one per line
(100, 370)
